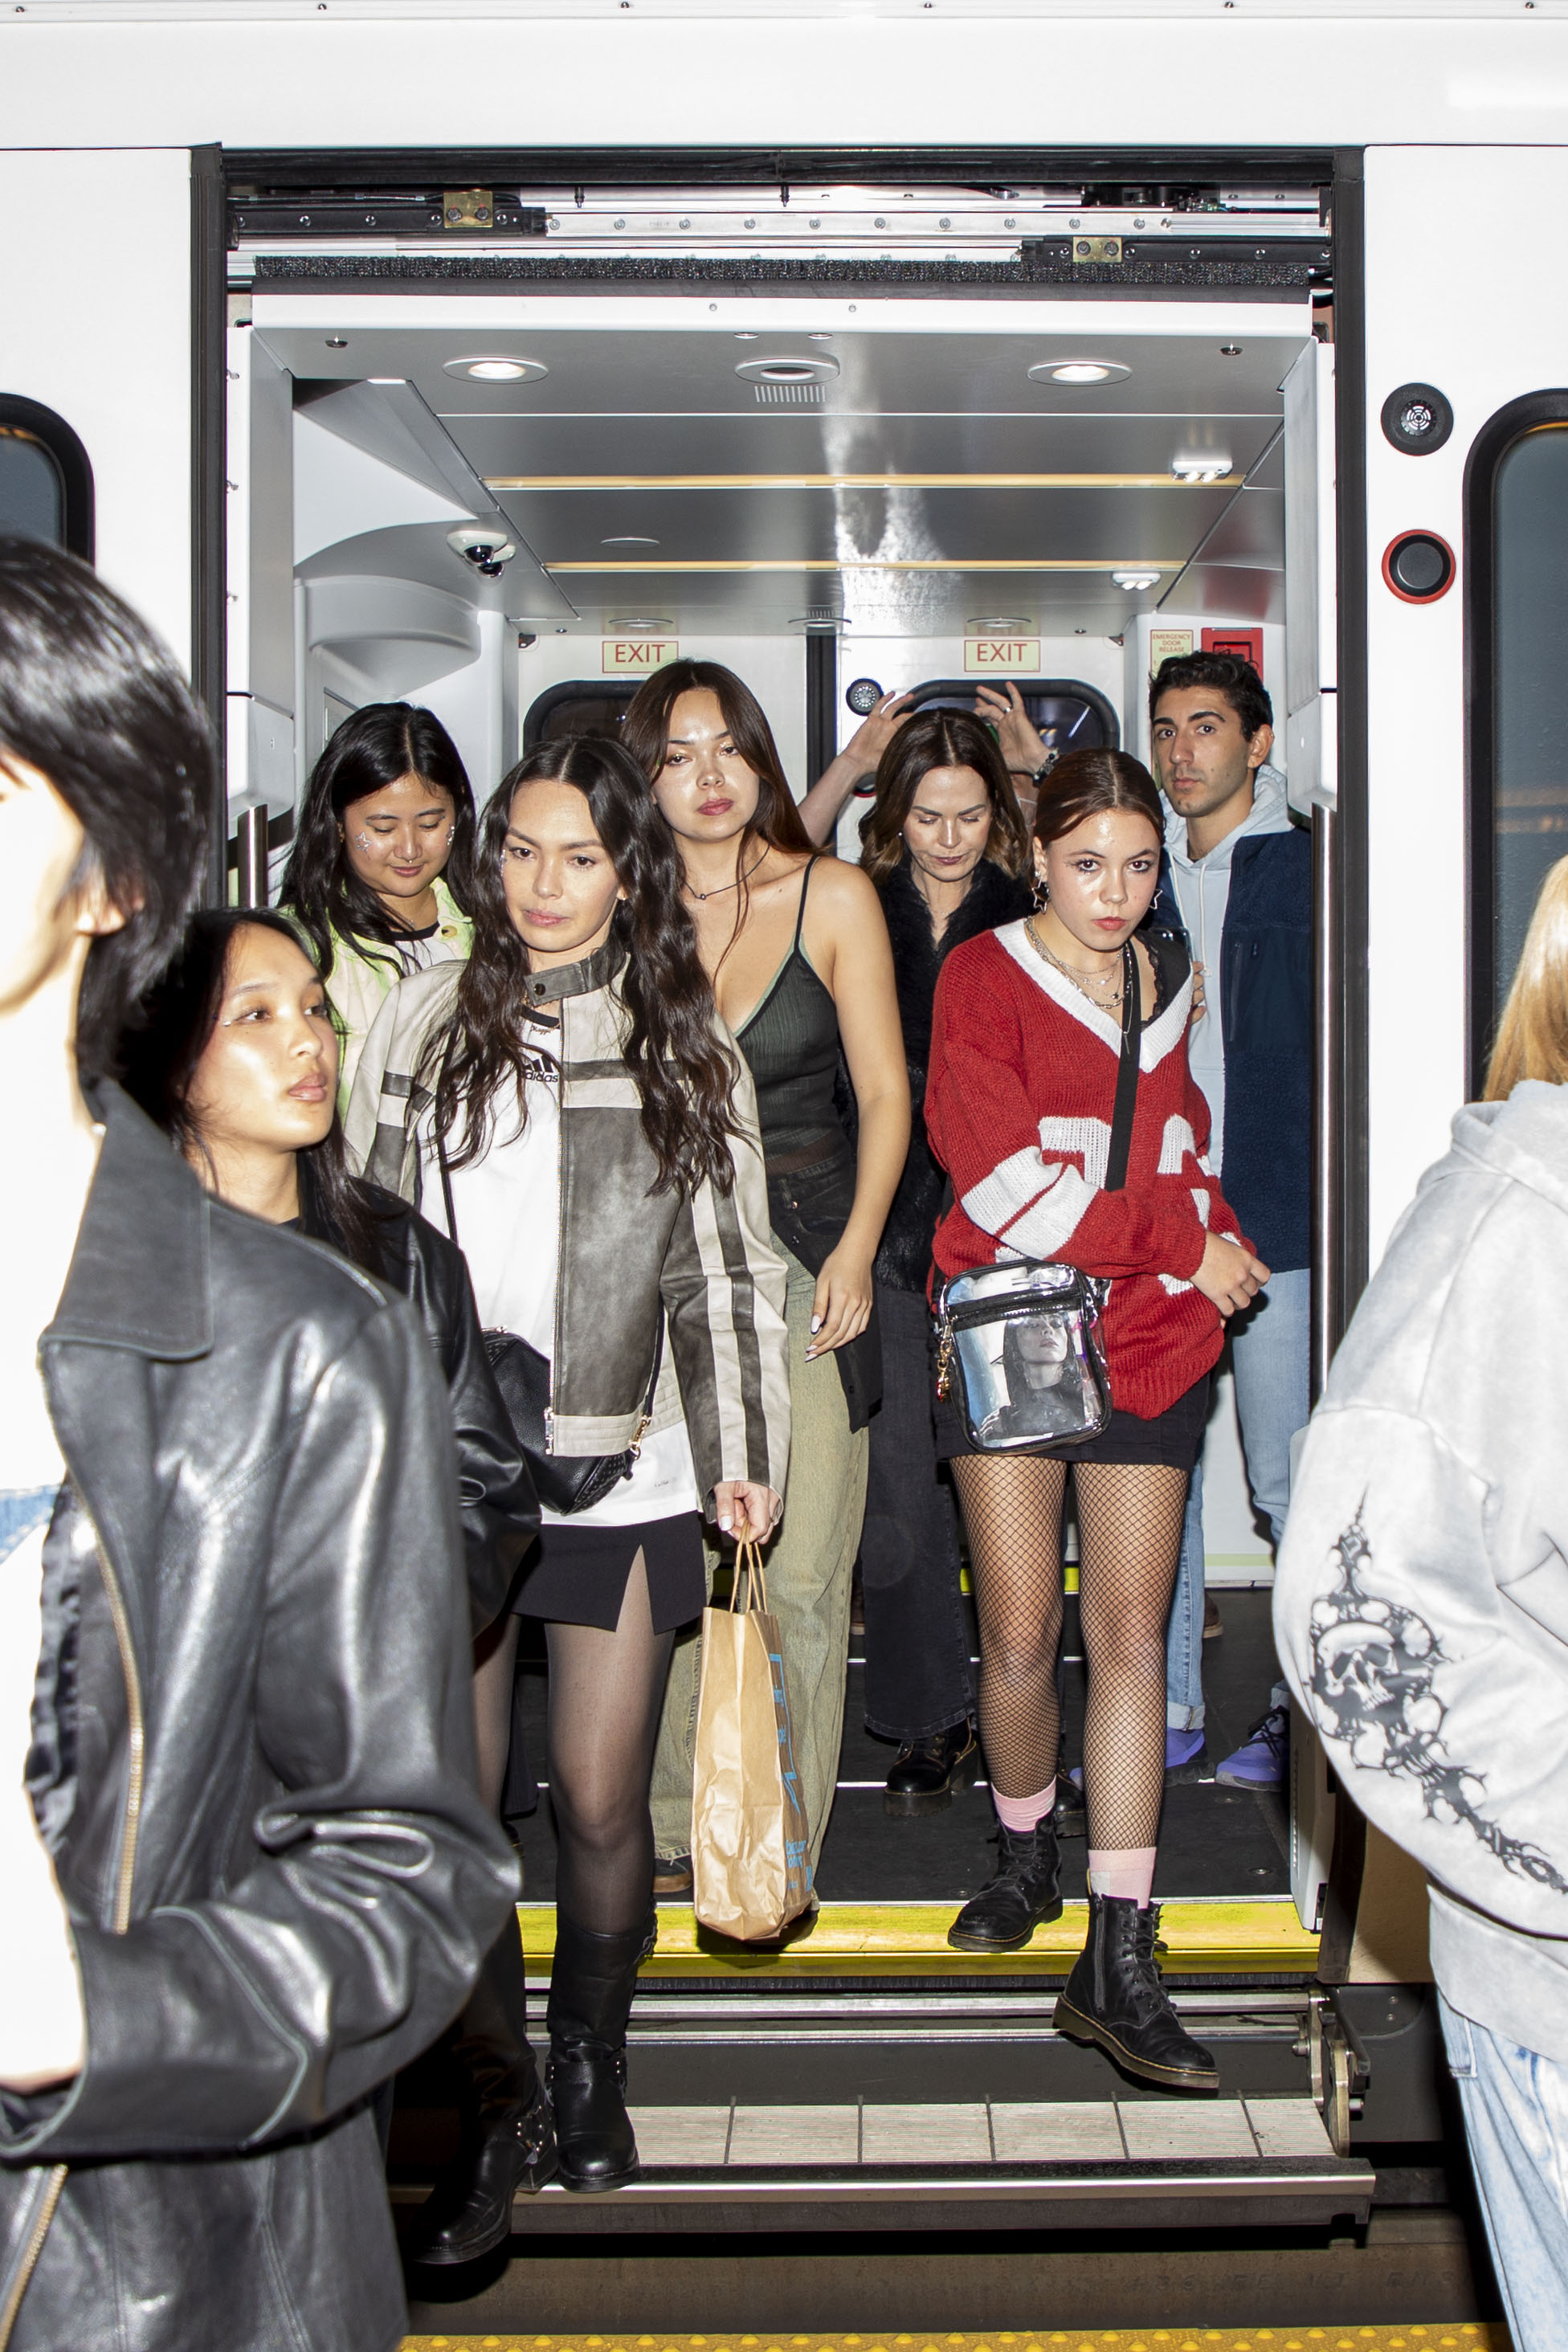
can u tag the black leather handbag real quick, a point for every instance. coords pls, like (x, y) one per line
(564, 1483)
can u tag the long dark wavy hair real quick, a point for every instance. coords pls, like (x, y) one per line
(941, 738)
(159, 1061)
(373, 748)
(684, 1074)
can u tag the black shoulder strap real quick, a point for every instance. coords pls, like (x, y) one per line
(1126, 1072)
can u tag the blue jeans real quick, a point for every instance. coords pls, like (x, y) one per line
(1515, 2106)
(1270, 1357)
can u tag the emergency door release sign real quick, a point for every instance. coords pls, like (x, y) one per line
(1001, 656)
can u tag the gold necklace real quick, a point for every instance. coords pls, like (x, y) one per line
(1083, 982)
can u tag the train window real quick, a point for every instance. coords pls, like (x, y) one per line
(1068, 715)
(581, 706)
(45, 481)
(1517, 621)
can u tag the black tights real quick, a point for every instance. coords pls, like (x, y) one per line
(1129, 1532)
(605, 1693)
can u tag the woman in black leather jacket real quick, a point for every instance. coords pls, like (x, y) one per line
(236, 1061)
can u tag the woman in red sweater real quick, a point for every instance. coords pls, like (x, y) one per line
(1024, 1056)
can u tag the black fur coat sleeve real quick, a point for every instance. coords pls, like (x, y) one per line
(903, 1261)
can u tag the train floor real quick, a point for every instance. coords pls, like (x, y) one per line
(864, 2130)
(1214, 1841)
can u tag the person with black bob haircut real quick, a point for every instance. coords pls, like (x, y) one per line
(570, 1108)
(236, 1057)
(248, 1874)
(946, 848)
(379, 876)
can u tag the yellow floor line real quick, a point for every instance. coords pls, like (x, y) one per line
(1469, 2335)
(1208, 1938)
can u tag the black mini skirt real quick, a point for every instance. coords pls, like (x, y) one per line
(579, 1575)
(1171, 1440)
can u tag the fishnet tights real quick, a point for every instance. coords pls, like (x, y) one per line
(1129, 1533)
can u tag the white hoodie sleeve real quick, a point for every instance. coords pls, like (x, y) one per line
(1441, 1697)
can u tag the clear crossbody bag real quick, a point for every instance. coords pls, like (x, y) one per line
(1019, 1346)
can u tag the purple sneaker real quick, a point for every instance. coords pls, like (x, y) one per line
(1183, 1747)
(1261, 1760)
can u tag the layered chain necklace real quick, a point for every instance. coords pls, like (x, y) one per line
(1106, 991)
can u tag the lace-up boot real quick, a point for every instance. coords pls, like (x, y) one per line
(1024, 1892)
(590, 1985)
(1114, 1996)
(926, 1771)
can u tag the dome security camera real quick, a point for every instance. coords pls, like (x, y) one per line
(487, 551)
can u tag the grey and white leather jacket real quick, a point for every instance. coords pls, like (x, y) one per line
(627, 1254)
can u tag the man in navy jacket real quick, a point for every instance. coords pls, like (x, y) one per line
(1239, 870)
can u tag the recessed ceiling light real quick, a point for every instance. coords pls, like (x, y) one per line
(745, 337)
(820, 337)
(498, 371)
(1136, 580)
(818, 367)
(641, 621)
(628, 539)
(1200, 469)
(1078, 372)
(1004, 621)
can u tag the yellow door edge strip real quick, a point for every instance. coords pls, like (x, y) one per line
(518, 482)
(1432, 2335)
(1203, 1937)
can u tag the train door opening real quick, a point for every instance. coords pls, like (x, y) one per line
(511, 506)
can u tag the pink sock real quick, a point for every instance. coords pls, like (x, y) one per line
(1126, 1872)
(1021, 1814)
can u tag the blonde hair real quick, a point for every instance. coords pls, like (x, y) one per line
(1532, 1035)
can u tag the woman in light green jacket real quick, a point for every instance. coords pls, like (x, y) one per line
(378, 880)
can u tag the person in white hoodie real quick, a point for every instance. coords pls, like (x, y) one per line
(1240, 871)
(1420, 1604)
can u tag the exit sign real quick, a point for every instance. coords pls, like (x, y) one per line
(1001, 655)
(618, 656)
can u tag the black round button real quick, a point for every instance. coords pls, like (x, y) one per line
(1419, 566)
(1416, 419)
(863, 697)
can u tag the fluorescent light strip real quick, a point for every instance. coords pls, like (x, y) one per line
(1165, 481)
(901, 563)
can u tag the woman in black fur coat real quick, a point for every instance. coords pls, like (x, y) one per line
(945, 846)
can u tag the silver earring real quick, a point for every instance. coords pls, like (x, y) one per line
(1039, 891)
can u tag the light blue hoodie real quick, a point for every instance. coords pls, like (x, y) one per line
(1202, 891)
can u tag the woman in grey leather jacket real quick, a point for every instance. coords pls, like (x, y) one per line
(569, 1105)
(240, 1727)
(235, 1056)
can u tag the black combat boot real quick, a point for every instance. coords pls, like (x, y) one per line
(1025, 1892)
(591, 1985)
(508, 2141)
(1114, 1996)
(926, 1771)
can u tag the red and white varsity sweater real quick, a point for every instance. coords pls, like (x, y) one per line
(1018, 1105)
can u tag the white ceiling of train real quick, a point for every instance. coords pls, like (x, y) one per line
(920, 484)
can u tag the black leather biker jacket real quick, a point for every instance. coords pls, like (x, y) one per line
(253, 1764)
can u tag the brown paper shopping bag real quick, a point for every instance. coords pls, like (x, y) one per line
(749, 1865)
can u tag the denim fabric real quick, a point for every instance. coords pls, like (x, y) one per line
(1515, 2106)
(808, 1567)
(22, 1509)
(918, 1679)
(1269, 1352)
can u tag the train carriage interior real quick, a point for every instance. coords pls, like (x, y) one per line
(507, 496)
